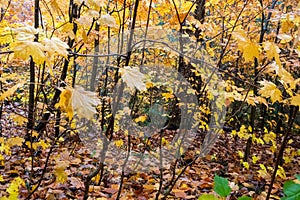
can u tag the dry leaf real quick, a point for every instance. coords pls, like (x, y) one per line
(84, 102)
(133, 78)
(108, 20)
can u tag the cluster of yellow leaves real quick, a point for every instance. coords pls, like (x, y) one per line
(40, 143)
(271, 138)
(6, 144)
(13, 189)
(78, 100)
(25, 47)
(264, 172)
(141, 118)
(10, 91)
(269, 89)
(243, 133)
(59, 171)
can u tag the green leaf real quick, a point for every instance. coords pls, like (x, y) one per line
(244, 198)
(297, 176)
(208, 197)
(291, 190)
(221, 186)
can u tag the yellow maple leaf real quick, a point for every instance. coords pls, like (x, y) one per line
(250, 51)
(59, 171)
(15, 141)
(295, 100)
(43, 144)
(25, 49)
(133, 78)
(285, 76)
(269, 89)
(20, 120)
(55, 46)
(281, 172)
(255, 159)
(108, 20)
(263, 172)
(249, 48)
(141, 118)
(167, 95)
(286, 24)
(84, 102)
(119, 143)
(245, 165)
(5, 148)
(13, 188)
(65, 102)
(272, 51)
(11, 91)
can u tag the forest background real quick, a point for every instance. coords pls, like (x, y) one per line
(149, 99)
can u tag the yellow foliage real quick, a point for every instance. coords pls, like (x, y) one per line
(245, 165)
(13, 188)
(249, 48)
(255, 159)
(269, 89)
(55, 46)
(272, 51)
(65, 102)
(15, 141)
(141, 118)
(26, 49)
(295, 100)
(119, 143)
(263, 172)
(11, 91)
(280, 172)
(59, 171)
(20, 120)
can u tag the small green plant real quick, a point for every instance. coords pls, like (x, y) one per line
(221, 187)
(291, 189)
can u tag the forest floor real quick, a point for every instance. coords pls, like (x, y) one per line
(223, 160)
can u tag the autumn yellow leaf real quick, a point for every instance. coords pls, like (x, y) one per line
(65, 102)
(141, 118)
(20, 120)
(133, 78)
(119, 143)
(295, 100)
(13, 188)
(249, 48)
(108, 20)
(84, 102)
(255, 159)
(167, 95)
(245, 165)
(270, 90)
(281, 172)
(59, 171)
(262, 172)
(10, 91)
(55, 46)
(25, 49)
(272, 51)
(286, 77)
(15, 141)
